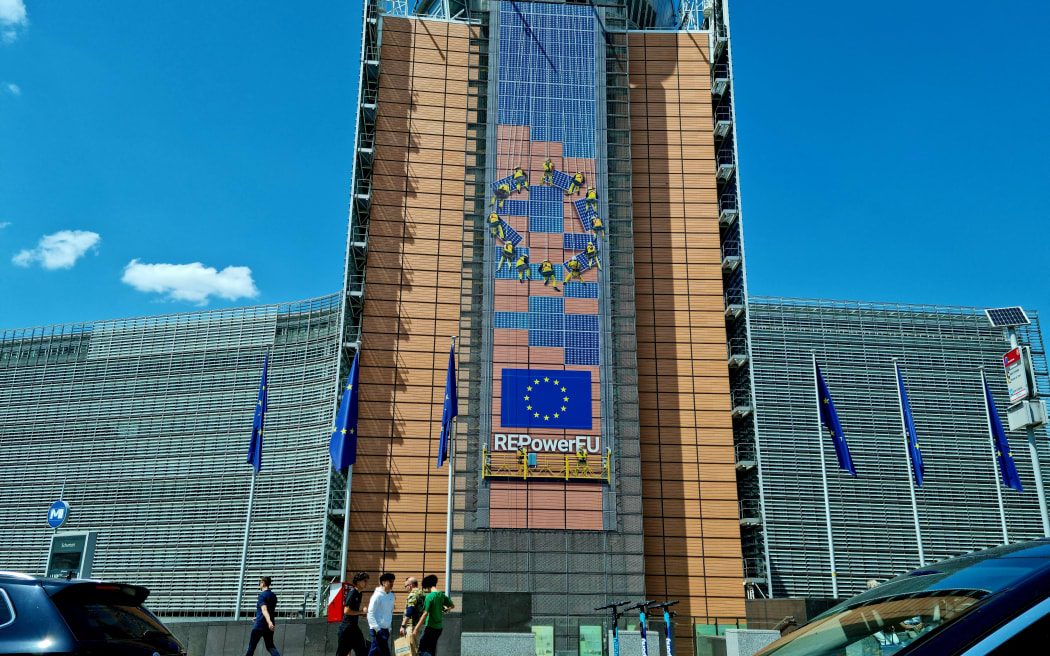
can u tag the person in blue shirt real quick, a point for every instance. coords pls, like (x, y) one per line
(263, 627)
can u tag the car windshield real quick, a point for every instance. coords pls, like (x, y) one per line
(881, 626)
(110, 621)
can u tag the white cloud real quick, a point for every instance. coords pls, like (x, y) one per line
(12, 88)
(12, 19)
(190, 282)
(4, 224)
(60, 250)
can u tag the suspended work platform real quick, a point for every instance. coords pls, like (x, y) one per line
(547, 466)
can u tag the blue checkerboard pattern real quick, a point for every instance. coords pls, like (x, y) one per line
(506, 180)
(590, 357)
(514, 208)
(510, 234)
(586, 215)
(514, 320)
(584, 264)
(576, 242)
(560, 180)
(512, 274)
(581, 290)
(546, 73)
(546, 210)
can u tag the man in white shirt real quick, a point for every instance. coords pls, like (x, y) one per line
(380, 612)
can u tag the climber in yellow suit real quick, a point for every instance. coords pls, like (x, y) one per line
(507, 254)
(519, 179)
(592, 255)
(547, 272)
(496, 225)
(575, 183)
(522, 265)
(574, 267)
(502, 193)
(548, 172)
(597, 226)
(592, 199)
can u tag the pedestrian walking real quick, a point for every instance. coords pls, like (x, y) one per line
(413, 607)
(350, 636)
(263, 627)
(434, 606)
(380, 612)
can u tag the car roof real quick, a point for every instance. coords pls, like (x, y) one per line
(54, 586)
(990, 570)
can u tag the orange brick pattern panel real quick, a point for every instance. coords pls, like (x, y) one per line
(692, 533)
(412, 298)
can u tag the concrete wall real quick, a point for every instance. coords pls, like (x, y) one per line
(311, 637)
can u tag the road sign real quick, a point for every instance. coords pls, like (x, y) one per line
(57, 514)
(1016, 376)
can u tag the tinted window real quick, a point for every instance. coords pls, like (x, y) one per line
(109, 621)
(7, 611)
(881, 626)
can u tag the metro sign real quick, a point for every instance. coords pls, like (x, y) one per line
(57, 514)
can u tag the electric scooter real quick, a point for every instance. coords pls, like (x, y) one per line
(616, 615)
(668, 627)
(641, 606)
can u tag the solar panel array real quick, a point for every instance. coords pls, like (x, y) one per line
(575, 241)
(546, 73)
(585, 215)
(546, 210)
(1007, 316)
(510, 234)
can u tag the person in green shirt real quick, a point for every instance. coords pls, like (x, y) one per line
(434, 606)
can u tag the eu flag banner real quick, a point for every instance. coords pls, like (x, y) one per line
(450, 411)
(917, 466)
(343, 445)
(830, 418)
(255, 445)
(546, 398)
(1005, 457)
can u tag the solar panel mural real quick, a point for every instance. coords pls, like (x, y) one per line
(546, 365)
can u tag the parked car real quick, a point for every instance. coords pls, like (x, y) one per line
(993, 602)
(48, 616)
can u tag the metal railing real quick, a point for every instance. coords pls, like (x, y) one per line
(563, 466)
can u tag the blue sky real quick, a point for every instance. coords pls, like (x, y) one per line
(186, 155)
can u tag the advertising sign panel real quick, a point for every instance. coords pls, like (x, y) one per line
(1016, 376)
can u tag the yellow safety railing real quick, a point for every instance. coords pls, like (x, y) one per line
(548, 466)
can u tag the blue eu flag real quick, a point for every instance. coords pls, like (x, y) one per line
(451, 410)
(909, 427)
(1003, 455)
(343, 445)
(546, 398)
(255, 446)
(830, 418)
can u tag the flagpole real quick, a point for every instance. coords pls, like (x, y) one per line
(995, 457)
(824, 479)
(244, 549)
(346, 525)
(448, 512)
(907, 459)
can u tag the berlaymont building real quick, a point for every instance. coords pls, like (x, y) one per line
(556, 186)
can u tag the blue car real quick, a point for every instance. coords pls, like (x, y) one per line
(994, 602)
(48, 616)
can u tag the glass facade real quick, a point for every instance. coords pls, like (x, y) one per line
(940, 351)
(142, 426)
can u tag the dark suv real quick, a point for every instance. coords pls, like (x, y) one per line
(48, 616)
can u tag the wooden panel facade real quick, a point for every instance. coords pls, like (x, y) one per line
(692, 531)
(412, 298)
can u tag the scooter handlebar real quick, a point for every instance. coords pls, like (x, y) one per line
(642, 605)
(614, 605)
(666, 604)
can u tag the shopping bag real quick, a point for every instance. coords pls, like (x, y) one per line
(403, 646)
